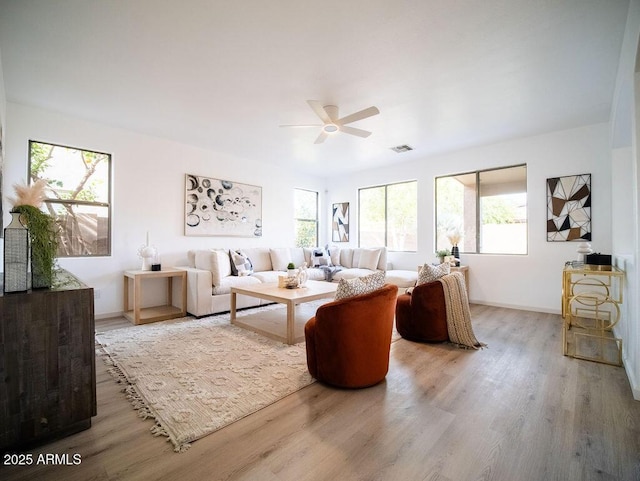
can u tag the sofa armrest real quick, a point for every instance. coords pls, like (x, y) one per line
(199, 291)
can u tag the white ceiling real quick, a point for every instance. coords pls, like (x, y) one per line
(223, 75)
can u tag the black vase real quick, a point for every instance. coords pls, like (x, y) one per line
(455, 252)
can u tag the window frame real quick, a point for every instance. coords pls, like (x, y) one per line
(108, 204)
(478, 213)
(302, 219)
(386, 212)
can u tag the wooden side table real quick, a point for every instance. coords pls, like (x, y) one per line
(465, 273)
(140, 315)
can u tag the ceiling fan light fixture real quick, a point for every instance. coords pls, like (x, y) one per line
(330, 128)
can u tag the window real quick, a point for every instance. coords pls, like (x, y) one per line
(78, 196)
(306, 217)
(388, 216)
(487, 209)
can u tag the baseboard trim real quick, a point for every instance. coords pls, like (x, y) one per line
(633, 382)
(517, 307)
(109, 315)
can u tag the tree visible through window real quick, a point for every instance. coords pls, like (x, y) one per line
(487, 208)
(388, 216)
(306, 217)
(78, 196)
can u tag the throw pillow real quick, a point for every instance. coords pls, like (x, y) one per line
(216, 261)
(334, 253)
(280, 258)
(360, 285)
(429, 273)
(369, 259)
(320, 257)
(240, 264)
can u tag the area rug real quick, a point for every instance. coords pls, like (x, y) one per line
(195, 376)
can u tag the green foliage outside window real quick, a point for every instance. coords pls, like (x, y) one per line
(78, 196)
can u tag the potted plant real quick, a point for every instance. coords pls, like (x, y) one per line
(43, 232)
(441, 254)
(291, 269)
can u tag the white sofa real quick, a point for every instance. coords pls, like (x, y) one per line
(209, 276)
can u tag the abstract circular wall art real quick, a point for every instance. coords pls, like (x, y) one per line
(215, 207)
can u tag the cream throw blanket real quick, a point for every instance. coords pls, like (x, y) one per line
(458, 313)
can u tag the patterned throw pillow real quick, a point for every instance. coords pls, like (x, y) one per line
(429, 273)
(320, 257)
(360, 285)
(240, 264)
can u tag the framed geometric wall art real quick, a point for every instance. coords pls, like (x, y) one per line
(569, 208)
(340, 222)
(216, 207)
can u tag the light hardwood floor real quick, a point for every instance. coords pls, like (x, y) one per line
(517, 411)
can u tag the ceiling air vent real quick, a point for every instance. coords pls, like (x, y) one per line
(401, 148)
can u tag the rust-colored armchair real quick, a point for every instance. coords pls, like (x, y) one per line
(422, 315)
(348, 340)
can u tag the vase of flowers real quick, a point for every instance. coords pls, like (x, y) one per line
(454, 238)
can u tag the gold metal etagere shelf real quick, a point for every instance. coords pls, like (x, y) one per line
(591, 299)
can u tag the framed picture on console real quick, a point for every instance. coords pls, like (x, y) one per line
(340, 222)
(217, 207)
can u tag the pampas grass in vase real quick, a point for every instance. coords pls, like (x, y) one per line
(43, 231)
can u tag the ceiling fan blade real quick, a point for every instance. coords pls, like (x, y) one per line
(363, 114)
(322, 137)
(354, 131)
(319, 110)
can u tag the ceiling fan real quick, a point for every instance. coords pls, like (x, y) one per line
(332, 123)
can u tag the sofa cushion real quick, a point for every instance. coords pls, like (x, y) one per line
(216, 261)
(429, 273)
(260, 258)
(346, 258)
(298, 257)
(369, 259)
(308, 255)
(316, 274)
(402, 278)
(360, 285)
(334, 253)
(234, 281)
(240, 264)
(347, 274)
(267, 276)
(280, 258)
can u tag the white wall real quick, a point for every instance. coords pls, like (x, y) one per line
(625, 200)
(148, 180)
(3, 97)
(531, 281)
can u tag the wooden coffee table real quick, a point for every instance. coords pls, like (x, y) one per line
(313, 290)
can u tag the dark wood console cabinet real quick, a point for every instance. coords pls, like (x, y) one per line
(47, 364)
